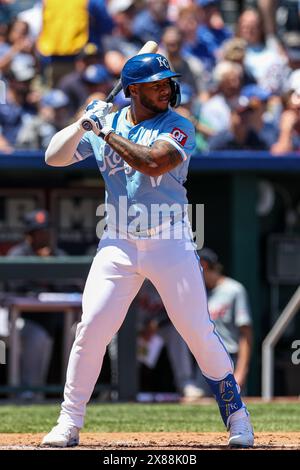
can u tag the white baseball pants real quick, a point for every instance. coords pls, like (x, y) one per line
(116, 275)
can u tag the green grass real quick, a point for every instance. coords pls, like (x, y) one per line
(149, 418)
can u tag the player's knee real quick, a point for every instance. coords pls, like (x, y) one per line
(92, 329)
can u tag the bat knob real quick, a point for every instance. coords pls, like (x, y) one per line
(86, 125)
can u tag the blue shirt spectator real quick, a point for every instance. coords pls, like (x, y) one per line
(201, 51)
(211, 32)
(17, 109)
(249, 129)
(101, 22)
(150, 23)
(12, 118)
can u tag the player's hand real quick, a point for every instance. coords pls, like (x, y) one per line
(94, 116)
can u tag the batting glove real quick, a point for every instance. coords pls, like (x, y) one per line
(94, 118)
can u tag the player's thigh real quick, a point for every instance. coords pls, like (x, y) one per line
(111, 285)
(181, 287)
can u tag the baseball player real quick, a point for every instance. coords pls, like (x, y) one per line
(143, 153)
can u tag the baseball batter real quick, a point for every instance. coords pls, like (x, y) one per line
(143, 152)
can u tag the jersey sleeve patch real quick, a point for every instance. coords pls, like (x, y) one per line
(179, 136)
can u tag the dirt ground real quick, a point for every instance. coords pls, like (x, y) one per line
(155, 441)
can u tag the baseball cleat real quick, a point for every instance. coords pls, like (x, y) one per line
(241, 432)
(62, 436)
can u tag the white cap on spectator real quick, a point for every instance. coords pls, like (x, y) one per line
(223, 68)
(55, 98)
(118, 6)
(23, 67)
(295, 98)
(294, 80)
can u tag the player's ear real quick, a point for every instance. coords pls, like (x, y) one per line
(133, 90)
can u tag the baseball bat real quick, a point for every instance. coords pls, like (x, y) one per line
(149, 47)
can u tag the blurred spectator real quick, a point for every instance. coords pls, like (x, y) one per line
(268, 12)
(18, 43)
(229, 309)
(18, 108)
(289, 126)
(187, 23)
(234, 50)
(293, 82)
(189, 67)
(268, 67)
(114, 62)
(38, 238)
(92, 97)
(189, 109)
(58, 51)
(155, 330)
(123, 38)
(291, 43)
(73, 84)
(249, 129)
(33, 17)
(216, 112)
(53, 116)
(148, 25)
(211, 31)
(39, 330)
(175, 6)
(6, 10)
(97, 79)
(3, 36)
(280, 16)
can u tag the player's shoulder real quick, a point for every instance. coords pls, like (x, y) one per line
(176, 118)
(118, 114)
(234, 285)
(178, 126)
(118, 118)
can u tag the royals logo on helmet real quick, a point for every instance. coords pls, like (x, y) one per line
(163, 62)
(179, 135)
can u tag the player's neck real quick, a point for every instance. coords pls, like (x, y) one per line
(135, 116)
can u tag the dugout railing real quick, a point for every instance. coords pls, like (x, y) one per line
(269, 343)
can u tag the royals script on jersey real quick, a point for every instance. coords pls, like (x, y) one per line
(131, 192)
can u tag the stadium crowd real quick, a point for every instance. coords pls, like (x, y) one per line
(240, 83)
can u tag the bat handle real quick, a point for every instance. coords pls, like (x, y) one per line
(113, 93)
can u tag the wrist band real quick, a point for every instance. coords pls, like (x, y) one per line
(105, 132)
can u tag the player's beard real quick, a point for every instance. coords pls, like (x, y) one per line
(147, 103)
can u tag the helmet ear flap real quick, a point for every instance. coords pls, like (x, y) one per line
(175, 96)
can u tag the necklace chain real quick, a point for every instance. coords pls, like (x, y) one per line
(130, 116)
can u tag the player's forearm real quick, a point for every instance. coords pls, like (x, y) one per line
(152, 161)
(139, 157)
(63, 146)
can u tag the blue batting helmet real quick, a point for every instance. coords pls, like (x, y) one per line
(146, 68)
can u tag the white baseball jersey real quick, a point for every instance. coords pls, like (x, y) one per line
(144, 194)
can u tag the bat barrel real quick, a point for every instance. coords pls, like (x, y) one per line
(150, 46)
